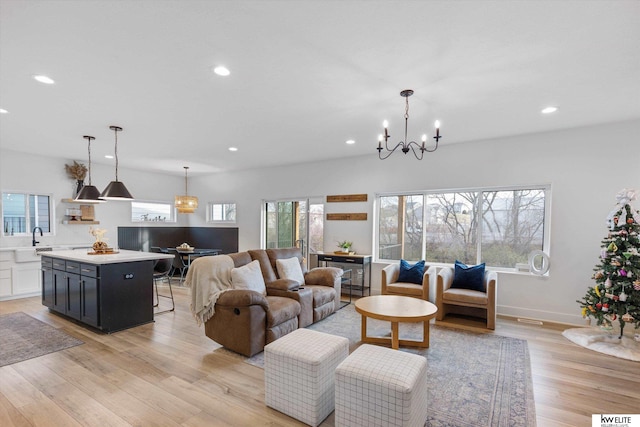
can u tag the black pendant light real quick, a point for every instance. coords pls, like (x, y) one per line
(89, 193)
(116, 189)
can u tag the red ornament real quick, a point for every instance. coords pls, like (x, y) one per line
(629, 220)
(599, 305)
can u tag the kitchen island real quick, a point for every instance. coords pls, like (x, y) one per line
(109, 292)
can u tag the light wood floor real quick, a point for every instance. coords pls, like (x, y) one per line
(169, 373)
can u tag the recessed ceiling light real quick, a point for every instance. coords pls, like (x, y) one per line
(44, 79)
(233, 148)
(108, 156)
(221, 70)
(3, 111)
(350, 141)
(549, 110)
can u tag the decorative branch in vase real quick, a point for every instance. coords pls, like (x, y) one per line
(77, 171)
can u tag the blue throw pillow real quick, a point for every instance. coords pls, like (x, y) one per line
(468, 277)
(411, 273)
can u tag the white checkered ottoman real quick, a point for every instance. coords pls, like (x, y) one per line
(299, 373)
(377, 386)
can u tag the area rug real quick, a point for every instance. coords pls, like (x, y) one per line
(22, 337)
(606, 342)
(475, 379)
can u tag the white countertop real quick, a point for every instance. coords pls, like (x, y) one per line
(121, 256)
(57, 247)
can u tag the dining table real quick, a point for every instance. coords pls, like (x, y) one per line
(191, 254)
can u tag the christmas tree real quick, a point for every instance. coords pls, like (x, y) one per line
(616, 295)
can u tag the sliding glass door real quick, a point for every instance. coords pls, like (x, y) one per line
(296, 223)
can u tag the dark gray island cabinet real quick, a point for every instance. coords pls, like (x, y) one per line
(109, 292)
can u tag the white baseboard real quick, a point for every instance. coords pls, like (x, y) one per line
(542, 315)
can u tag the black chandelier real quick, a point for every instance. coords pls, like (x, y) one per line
(406, 146)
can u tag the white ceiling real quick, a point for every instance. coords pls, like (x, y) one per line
(305, 75)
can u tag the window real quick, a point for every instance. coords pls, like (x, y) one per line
(499, 227)
(316, 227)
(152, 212)
(285, 223)
(221, 212)
(21, 212)
(299, 223)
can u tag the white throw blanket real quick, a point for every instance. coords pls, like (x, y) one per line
(208, 277)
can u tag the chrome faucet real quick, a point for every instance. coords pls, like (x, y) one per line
(33, 232)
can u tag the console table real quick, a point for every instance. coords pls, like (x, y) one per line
(359, 262)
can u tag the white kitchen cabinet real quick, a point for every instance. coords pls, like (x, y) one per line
(26, 278)
(6, 261)
(18, 279)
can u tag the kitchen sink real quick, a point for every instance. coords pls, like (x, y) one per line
(32, 254)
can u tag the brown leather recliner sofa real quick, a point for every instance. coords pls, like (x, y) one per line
(245, 320)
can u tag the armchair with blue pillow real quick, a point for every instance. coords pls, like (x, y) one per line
(469, 290)
(406, 279)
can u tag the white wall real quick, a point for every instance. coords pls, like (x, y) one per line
(586, 167)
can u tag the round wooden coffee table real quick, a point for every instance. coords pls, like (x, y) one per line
(395, 309)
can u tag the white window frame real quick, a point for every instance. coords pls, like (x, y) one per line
(547, 217)
(210, 219)
(29, 227)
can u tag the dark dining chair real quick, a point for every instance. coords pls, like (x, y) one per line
(179, 264)
(161, 271)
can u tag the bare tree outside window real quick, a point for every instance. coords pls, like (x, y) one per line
(316, 227)
(451, 227)
(400, 227)
(513, 226)
(499, 227)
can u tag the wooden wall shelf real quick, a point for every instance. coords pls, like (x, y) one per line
(80, 222)
(79, 202)
(347, 198)
(347, 216)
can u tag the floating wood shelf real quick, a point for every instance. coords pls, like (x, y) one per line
(79, 202)
(346, 217)
(80, 222)
(347, 198)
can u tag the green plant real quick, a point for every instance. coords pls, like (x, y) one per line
(345, 244)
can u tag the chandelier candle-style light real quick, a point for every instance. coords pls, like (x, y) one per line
(406, 146)
(89, 193)
(186, 204)
(116, 190)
